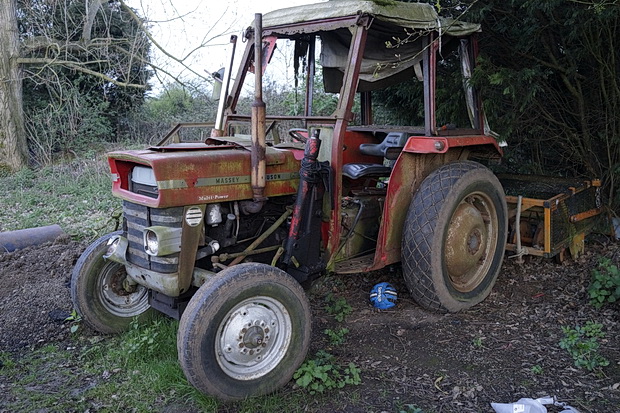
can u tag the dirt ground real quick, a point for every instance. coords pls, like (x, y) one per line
(502, 350)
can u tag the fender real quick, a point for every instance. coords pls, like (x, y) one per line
(409, 171)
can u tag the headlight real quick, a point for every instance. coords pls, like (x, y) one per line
(143, 181)
(160, 241)
(143, 175)
(151, 244)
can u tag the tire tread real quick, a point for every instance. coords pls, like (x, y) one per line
(421, 221)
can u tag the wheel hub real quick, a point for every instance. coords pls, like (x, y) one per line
(474, 242)
(114, 295)
(466, 243)
(253, 338)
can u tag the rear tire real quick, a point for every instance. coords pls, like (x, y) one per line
(98, 295)
(454, 237)
(244, 332)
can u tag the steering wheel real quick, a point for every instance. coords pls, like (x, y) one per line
(298, 134)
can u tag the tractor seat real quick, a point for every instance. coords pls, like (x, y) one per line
(394, 140)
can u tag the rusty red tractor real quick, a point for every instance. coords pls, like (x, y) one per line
(220, 231)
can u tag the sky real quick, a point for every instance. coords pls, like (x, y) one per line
(182, 27)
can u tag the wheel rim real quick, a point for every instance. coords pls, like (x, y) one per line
(115, 298)
(471, 242)
(253, 338)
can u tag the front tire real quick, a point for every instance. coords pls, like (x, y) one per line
(98, 293)
(454, 237)
(245, 332)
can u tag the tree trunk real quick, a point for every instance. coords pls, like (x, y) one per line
(13, 144)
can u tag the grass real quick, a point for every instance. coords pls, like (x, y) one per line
(137, 371)
(118, 374)
(75, 195)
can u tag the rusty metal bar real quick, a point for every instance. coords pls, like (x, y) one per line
(259, 163)
(263, 236)
(238, 256)
(343, 115)
(180, 126)
(585, 215)
(320, 119)
(235, 92)
(547, 227)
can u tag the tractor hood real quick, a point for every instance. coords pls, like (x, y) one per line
(197, 173)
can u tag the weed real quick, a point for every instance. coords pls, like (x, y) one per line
(537, 369)
(37, 380)
(143, 363)
(75, 320)
(6, 361)
(337, 336)
(410, 408)
(324, 373)
(144, 339)
(477, 342)
(338, 307)
(582, 344)
(605, 285)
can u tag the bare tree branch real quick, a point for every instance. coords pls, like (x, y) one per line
(92, 7)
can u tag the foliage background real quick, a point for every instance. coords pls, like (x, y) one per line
(549, 73)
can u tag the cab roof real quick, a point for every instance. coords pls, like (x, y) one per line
(420, 16)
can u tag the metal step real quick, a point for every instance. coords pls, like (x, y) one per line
(355, 265)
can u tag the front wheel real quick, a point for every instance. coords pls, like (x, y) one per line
(100, 293)
(454, 237)
(245, 332)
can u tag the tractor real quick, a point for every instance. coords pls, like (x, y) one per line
(224, 223)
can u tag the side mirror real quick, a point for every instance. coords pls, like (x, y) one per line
(218, 78)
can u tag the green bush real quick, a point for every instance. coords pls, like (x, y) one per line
(338, 307)
(605, 286)
(582, 344)
(337, 336)
(324, 373)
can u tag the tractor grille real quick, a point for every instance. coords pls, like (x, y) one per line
(138, 217)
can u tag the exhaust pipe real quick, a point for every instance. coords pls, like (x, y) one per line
(259, 165)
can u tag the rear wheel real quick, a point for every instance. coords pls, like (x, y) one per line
(100, 293)
(245, 332)
(454, 237)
